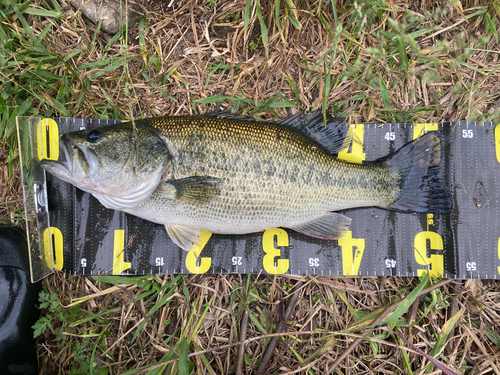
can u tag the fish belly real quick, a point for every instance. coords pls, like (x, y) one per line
(250, 202)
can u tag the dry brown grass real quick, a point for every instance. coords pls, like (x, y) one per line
(11, 193)
(449, 76)
(190, 38)
(313, 339)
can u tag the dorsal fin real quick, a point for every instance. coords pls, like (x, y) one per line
(331, 136)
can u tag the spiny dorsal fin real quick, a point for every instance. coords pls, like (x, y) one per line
(331, 136)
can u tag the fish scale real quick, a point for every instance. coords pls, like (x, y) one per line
(267, 180)
(228, 176)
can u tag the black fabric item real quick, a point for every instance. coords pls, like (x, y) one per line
(14, 249)
(18, 312)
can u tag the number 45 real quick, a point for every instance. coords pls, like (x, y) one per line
(467, 133)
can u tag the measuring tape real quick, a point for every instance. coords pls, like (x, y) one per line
(83, 237)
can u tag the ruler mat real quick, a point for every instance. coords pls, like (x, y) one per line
(83, 237)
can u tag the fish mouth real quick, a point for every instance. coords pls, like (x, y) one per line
(65, 145)
(75, 161)
(63, 167)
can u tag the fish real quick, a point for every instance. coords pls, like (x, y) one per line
(231, 175)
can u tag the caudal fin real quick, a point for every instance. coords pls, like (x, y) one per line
(421, 191)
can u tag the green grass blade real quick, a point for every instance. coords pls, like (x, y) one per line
(204, 359)
(406, 304)
(406, 358)
(139, 330)
(438, 364)
(277, 6)
(129, 280)
(92, 317)
(183, 357)
(159, 370)
(42, 12)
(493, 337)
(263, 29)
(293, 16)
(161, 302)
(214, 99)
(295, 90)
(25, 24)
(255, 321)
(394, 318)
(200, 321)
(491, 26)
(92, 357)
(246, 19)
(384, 92)
(42, 34)
(402, 54)
(334, 11)
(445, 332)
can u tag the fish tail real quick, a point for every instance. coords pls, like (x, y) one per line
(417, 166)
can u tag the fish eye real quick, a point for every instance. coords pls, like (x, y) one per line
(93, 136)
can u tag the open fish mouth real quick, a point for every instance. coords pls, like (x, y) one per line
(75, 161)
(65, 146)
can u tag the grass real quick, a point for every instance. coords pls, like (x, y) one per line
(368, 61)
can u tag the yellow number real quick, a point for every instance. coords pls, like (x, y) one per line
(53, 248)
(357, 154)
(430, 219)
(420, 249)
(48, 144)
(119, 264)
(272, 252)
(421, 129)
(194, 263)
(497, 141)
(435, 260)
(350, 259)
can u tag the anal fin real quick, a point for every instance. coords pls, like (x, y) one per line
(184, 236)
(330, 226)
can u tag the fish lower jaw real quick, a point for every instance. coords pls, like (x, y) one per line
(121, 204)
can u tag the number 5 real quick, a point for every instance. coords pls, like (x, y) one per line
(420, 252)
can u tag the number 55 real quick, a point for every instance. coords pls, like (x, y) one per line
(467, 133)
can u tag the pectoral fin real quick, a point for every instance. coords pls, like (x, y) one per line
(193, 190)
(183, 236)
(331, 226)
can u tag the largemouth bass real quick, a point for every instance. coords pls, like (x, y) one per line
(231, 176)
